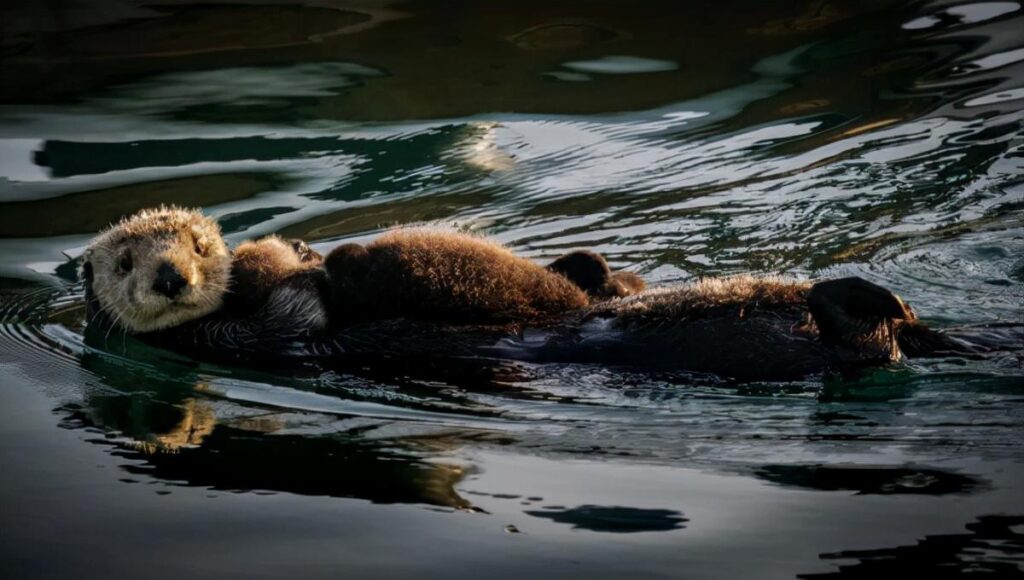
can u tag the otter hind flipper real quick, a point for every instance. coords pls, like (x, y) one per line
(858, 298)
(858, 316)
(854, 312)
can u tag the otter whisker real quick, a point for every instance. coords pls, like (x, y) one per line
(116, 322)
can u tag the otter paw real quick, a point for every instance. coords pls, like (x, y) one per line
(304, 252)
(625, 284)
(591, 273)
(584, 268)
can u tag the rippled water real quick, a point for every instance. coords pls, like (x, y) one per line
(812, 140)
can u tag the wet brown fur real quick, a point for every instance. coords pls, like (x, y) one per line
(442, 275)
(743, 327)
(426, 274)
(622, 284)
(706, 295)
(259, 267)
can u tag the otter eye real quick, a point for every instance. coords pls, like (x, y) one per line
(126, 262)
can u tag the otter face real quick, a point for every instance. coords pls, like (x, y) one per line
(159, 268)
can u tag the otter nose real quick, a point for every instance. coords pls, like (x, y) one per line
(168, 281)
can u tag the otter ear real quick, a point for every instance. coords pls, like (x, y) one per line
(200, 241)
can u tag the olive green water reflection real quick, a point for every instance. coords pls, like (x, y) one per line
(680, 139)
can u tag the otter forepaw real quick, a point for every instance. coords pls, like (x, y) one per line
(304, 252)
(590, 272)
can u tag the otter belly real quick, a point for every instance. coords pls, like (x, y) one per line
(761, 345)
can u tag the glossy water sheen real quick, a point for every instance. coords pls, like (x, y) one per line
(812, 139)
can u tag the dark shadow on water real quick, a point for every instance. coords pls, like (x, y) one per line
(992, 548)
(871, 480)
(614, 519)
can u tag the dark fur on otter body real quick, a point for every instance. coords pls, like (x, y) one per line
(261, 267)
(427, 293)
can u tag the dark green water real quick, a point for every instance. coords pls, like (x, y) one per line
(884, 140)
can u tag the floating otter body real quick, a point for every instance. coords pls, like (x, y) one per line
(427, 293)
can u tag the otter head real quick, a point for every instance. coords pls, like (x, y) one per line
(158, 268)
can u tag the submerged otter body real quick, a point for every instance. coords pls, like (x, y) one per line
(423, 293)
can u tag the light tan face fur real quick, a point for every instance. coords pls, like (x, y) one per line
(125, 258)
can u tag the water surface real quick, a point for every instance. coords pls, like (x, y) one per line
(806, 139)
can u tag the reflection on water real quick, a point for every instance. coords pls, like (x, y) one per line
(184, 446)
(992, 548)
(882, 139)
(865, 479)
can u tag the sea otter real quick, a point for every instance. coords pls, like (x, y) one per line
(167, 276)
